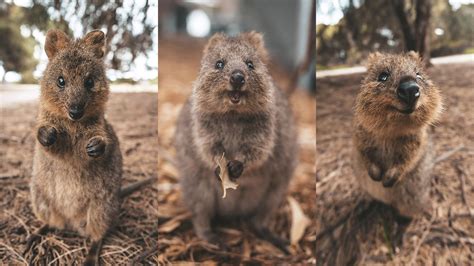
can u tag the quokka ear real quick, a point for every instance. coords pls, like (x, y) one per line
(256, 40)
(213, 41)
(95, 41)
(415, 56)
(373, 57)
(56, 40)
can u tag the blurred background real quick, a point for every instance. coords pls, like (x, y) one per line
(131, 28)
(347, 30)
(288, 27)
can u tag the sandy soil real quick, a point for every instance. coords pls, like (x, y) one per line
(179, 64)
(353, 229)
(134, 117)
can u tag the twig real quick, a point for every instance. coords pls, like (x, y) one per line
(449, 239)
(423, 237)
(10, 138)
(14, 252)
(144, 255)
(65, 254)
(19, 220)
(462, 180)
(461, 174)
(9, 176)
(448, 154)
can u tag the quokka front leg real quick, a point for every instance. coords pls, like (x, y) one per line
(405, 155)
(234, 167)
(47, 135)
(96, 146)
(374, 166)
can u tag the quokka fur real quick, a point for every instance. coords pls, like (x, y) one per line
(393, 153)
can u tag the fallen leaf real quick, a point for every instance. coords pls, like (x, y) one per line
(246, 251)
(224, 176)
(169, 170)
(174, 223)
(299, 221)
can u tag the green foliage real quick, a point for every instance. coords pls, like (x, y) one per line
(358, 33)
(469, 50)
(457, 27)
(16, 51)
(129, 26)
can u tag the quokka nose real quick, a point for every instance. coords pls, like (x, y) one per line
(76, 112)
(237, 79)
(408, 92)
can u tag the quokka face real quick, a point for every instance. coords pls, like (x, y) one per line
(74, 85)
(397, 94)
(233, 75)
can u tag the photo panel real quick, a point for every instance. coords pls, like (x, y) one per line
(79, 132)
(394, 135)
(237, 132)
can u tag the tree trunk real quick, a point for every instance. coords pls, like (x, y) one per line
(422, 26)
(416, 35)
(408, 35)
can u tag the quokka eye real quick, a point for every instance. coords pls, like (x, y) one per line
(220, 64)
(250, 64)
(418, 75)
(61, 82)
(89, 83)
(383, 76)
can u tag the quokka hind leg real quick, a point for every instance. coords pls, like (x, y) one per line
(94, 253)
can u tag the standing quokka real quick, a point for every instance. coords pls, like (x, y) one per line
(77, 167)
(394, 109)
(235, 109)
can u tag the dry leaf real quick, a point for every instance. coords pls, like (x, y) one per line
(246, 251)
(299, 221)
(224, 176)
(174, 223)
(169, 170)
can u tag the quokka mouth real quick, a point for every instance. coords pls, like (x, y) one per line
(234, 96)
(406, 111)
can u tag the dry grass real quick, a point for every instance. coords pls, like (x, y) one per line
(137, 230)
(352, 229)
(179, 60)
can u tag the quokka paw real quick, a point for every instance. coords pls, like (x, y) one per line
(235, 169)
(47, 135)
(391, 177)
(95, 147)
(375, 172)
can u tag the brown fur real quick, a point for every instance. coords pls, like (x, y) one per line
(76, 179)
(257, 133)
(392, 156)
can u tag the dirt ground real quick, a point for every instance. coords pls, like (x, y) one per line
(354, 230)
(179, 60)
(136, 233)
